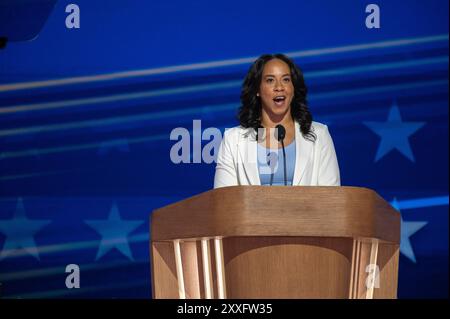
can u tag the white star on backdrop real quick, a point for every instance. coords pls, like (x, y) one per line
(394, 134)
(114, 232)
(20, 231)
(407, 230)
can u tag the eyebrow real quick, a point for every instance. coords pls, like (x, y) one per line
(267, 75)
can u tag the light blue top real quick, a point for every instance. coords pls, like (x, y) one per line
(271, 161)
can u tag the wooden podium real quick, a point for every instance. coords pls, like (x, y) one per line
(276, 242)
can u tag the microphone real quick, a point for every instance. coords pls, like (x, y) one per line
(280, 134)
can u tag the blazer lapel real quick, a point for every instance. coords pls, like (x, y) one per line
(303, 155)
(248, 151)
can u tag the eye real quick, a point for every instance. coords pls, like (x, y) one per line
(269, 80)
(287, 80)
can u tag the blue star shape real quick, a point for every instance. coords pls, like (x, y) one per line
(118, 144)
(114, 232)
(20, 231)
(394, 134)
(407, 230)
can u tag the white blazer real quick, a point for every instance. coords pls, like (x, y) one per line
(315, 164)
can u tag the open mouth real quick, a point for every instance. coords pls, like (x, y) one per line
(279, 100)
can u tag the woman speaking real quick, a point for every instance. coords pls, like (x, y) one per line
(277, 143)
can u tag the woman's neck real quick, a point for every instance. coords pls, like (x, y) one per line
(271, 122)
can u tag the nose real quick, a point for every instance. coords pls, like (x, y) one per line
(279, 86)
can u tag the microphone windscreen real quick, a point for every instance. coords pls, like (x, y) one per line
(280, 132)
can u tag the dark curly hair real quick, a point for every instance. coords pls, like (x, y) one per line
(250, 110)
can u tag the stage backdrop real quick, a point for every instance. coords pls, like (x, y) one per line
(88, 103)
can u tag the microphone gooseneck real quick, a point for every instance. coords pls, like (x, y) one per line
(280, 133)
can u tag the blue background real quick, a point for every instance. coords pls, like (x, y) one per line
(87, 161)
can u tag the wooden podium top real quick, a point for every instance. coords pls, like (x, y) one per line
(310, 211)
